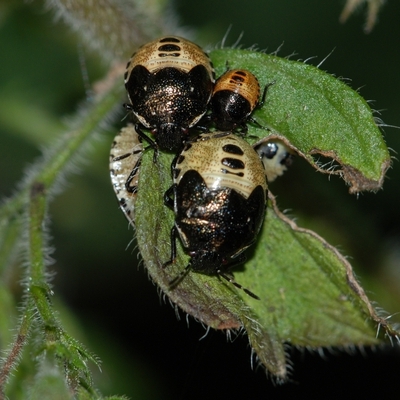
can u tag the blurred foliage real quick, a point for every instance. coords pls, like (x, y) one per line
(373, 8)
(146, 353)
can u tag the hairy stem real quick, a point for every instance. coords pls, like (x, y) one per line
(18, 345)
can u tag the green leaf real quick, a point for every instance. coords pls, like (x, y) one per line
(318, 114)
(309, 295)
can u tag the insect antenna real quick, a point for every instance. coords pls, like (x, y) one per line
(238, 285)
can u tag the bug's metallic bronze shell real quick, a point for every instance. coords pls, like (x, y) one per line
(169, 83)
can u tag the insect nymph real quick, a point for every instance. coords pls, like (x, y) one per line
(169, 83)
(219, 200)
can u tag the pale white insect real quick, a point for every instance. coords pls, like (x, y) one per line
(276, 157)
(125, 159)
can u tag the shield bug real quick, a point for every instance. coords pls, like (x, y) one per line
(125, 157)
(169, 83)
(235, 96)
(219, 198)
(276, 157)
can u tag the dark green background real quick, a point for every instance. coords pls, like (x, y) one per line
(147, 353)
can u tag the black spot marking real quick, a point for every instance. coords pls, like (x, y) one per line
(233, 163)
(232, 149)
(170, 39)
(188, 146)
(243, 73)
(177, 171)
(237, 79)
(225, 171)
(270, 151)
(180, 159)
(169, 47)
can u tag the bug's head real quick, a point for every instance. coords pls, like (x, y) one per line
(171, 137)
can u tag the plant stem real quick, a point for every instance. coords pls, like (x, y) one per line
(16, 350)
(55, 162)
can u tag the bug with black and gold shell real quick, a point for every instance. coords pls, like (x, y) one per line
(236, 95)
(169, 83)
(218, 196)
